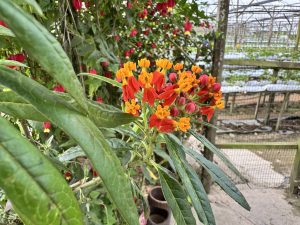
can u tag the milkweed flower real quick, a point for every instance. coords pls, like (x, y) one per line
(132, 107)
(183, 124)
(77, 5)
(47, 127)
(59, 88)
(187, 27)
(161, 121)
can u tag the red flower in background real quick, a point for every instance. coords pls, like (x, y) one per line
(59, 88)
(47, 127)
(108, 74)
(171, 3)
(133, 32)
(77, 5)
(129, 5)
(17, 57)
(99, 99)
(2, 23)
(188, 27)
(68, 175)
(93, 71)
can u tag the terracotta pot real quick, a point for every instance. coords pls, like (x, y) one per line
(159, 217)
(156, 199)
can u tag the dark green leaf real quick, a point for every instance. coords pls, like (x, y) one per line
(43, 47)
(177, 156)
(37, 190)
(220, 177)
(11, 63)
(84, 131)
(176, 199)
(6, 32)
(218, 153)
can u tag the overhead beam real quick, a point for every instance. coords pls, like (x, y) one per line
(252, 4)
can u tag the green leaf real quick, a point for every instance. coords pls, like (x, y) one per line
(107, 80)
(103, 115)
(6, 32)
(43, 47)
(218, 153)
(11, 63)
(176, 198)
(71, 153)
(13, 105)
(84, 132)
(37, 190)
(196, 193)
(33, 4)
(220, 177)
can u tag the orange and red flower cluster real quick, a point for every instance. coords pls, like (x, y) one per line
(174, 95)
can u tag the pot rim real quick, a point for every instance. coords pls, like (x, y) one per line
(150, 194)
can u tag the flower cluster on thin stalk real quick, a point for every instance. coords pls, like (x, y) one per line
(167, 97)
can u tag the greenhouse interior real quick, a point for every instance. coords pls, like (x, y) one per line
(150, 112)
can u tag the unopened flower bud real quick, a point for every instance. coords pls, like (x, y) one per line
(216, 87)
(173, 77)
(181, 101)
(203, 80)
(174, 112)
(190, 107)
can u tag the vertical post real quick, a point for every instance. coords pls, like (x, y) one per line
(257, 106)
(297, 37)
(271, 100)
(295, 175)
(217, 67)
(286, 95)
(271, 27)
(236, 30)
(232, 103)
(226, 100)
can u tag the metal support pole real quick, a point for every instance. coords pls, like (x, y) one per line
(295, 175)
(257, 105)
(216, 70)
(298, 37)
(281, 111)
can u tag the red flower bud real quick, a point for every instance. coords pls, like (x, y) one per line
(17, 57)
(131, 51)
(216, 87)
(127, 53)
(146, 32)
(77, 5)
(173, 77)
(171, 3)
(93, 71)
(102, 13)
(99, 99)
(87, 4)
(133, 32)
(181, 101)
(153, 45)
(117, 38)
(139, 44)
(108, 74)
(203, 80)
(59, 88)
(190, 107)
(129, 5)
(104, 64)
(174, 112)
(2, 23)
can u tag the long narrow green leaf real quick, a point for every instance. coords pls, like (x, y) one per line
(6, 32)
(220, 177)
(37, 190)
(105, 79)
(103, 115)
(13, 105)
(218, 153)
(33, 4)
(193, 190)
(43, 47)
(11, 63)
(176, 199)
(82, 130)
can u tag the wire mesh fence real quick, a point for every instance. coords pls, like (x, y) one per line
(263, 168)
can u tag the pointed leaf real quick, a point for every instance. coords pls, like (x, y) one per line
(4, 31)
(176, 199)
(84, 132)
(11, 63)
(43, 47)
(33, 4)
(221, 178)
(13, 105)
(37, 190)
(177, 155)
(107, 80)
(218, 153)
